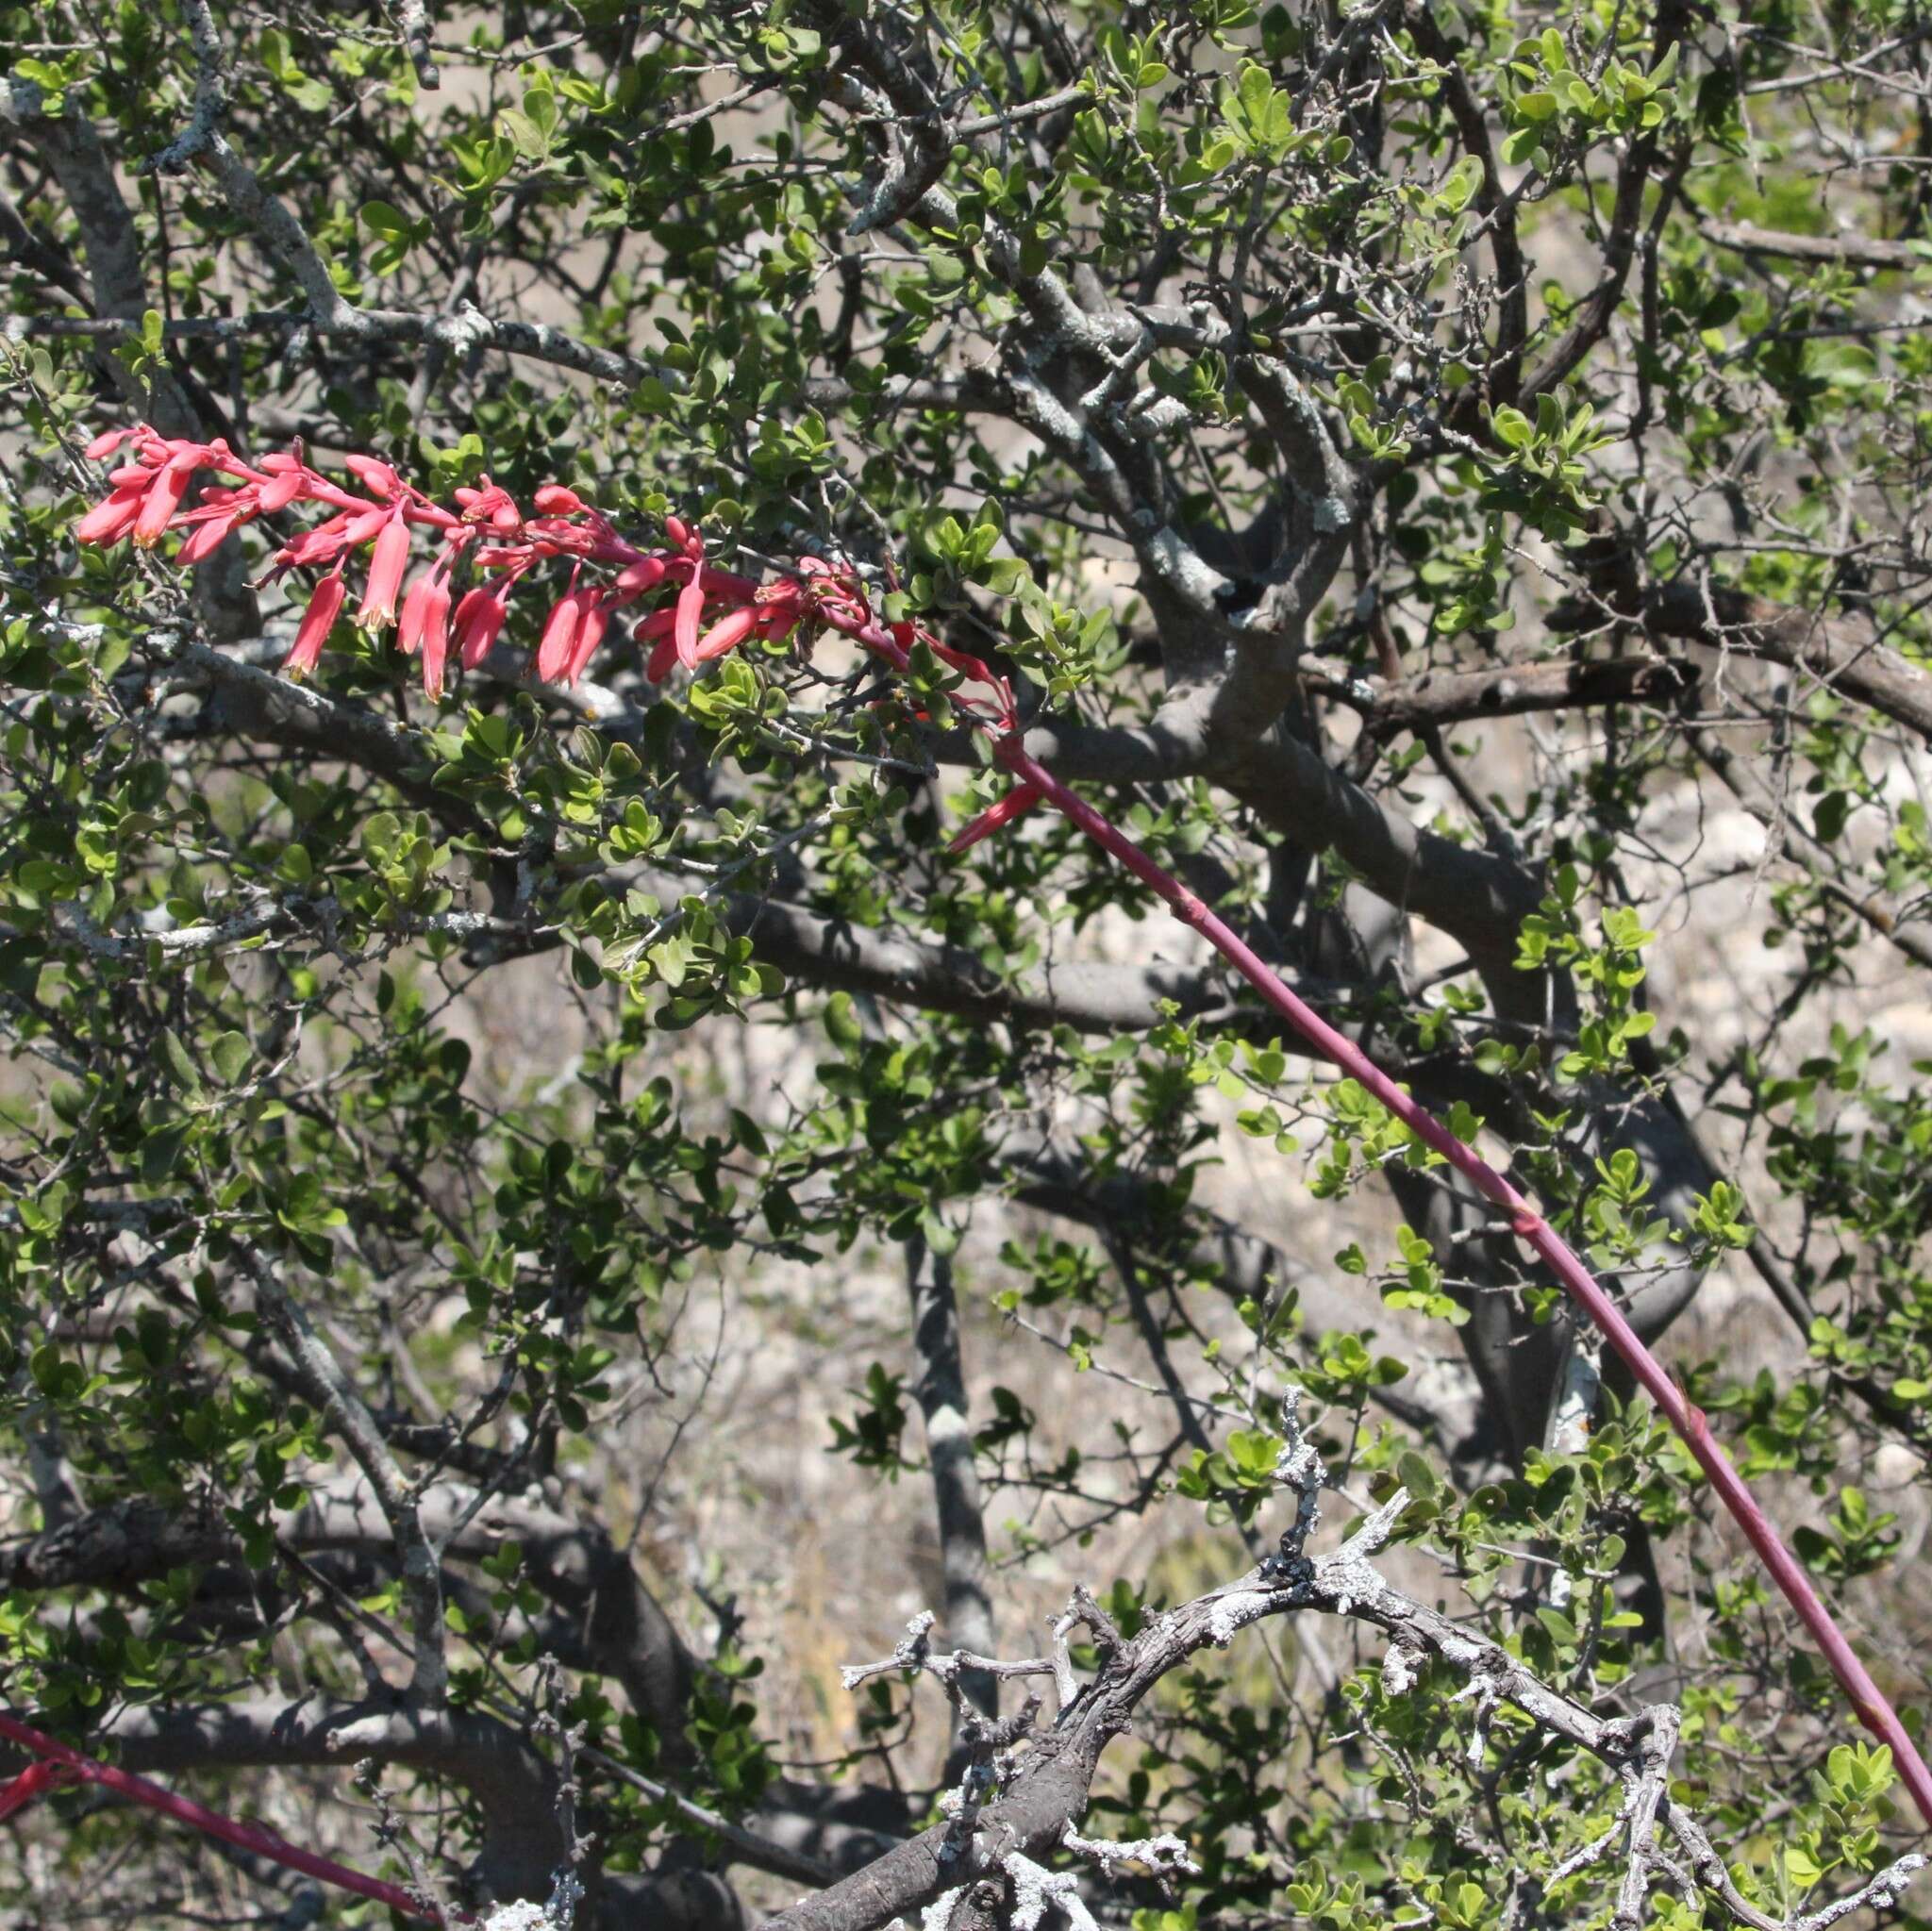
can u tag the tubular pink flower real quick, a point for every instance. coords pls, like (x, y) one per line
(589, 635)
(559, 635)
(426, 604)
(634, 579)
(108, 522)
(163, 499)
(325, 606)
(689, 608)
(206, 538)
(479, 620)
(349, 530)
(726, 634)
(435, 636)
(386, 567)
(656, 630)
(106, 444)
(375, 475)
(727, 583)
(281, 490)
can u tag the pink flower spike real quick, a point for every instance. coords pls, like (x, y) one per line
(726, 634)
(479, 622)
(559, 635)
(1016, 804)
(325, 606)
(386, 567)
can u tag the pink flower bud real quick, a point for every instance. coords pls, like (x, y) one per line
(206, 538)
(553, 499)
(479, 620)
(691, 605)
(726, 634)
(560, 634)
(589, 635)
(372, 474)
(109, 521)
(282, 491)
(634, 579)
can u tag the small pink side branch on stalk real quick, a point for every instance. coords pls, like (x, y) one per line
(59, 1764)
(490, 533)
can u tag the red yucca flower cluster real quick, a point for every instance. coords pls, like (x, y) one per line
(704, 613)
(699, 612)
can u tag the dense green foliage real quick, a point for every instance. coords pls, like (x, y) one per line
(1451, 480)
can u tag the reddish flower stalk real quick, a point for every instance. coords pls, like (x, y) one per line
(146, 499)
(61, 1764)
(1867, 1700)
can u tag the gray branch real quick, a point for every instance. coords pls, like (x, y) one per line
(329, 1387)
(939, 1388)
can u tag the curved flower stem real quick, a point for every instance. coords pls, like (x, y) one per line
(1869, 1703)
(245, 1836)
(146, 500)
